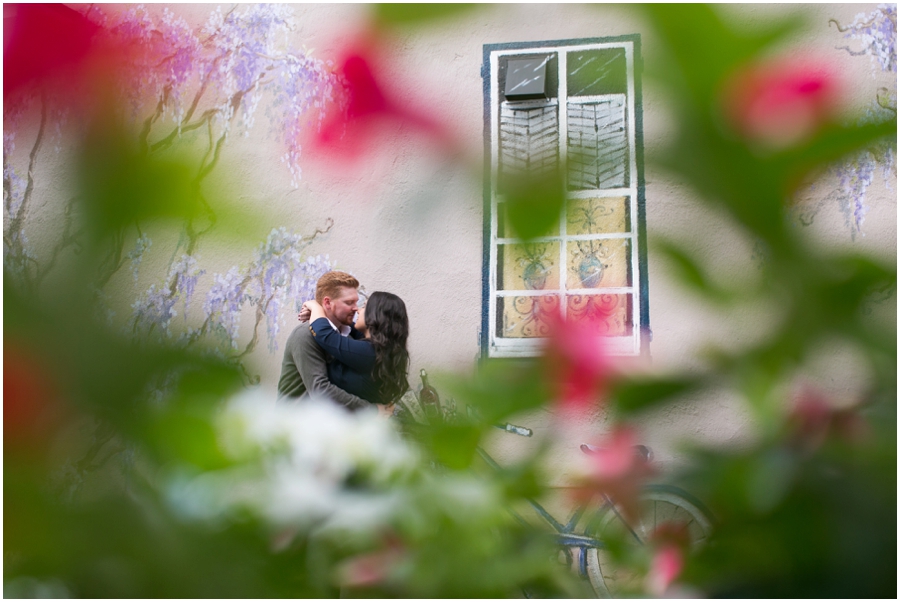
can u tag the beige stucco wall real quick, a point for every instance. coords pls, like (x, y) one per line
(409, 221)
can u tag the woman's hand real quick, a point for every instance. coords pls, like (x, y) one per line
(315, 310)
(385, 411)
(303, 316)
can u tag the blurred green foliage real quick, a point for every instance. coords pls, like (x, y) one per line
(419, 14)
(533, 203)
(801, 512)
(114, 170)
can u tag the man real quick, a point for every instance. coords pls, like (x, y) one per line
(303, 369)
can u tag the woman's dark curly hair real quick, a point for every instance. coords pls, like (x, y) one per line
(388, 327)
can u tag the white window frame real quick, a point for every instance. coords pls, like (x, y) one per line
(627, 345)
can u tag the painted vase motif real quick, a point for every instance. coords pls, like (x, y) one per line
(590, 271)
(535, 276)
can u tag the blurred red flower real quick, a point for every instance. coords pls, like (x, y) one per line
(31, 408)
(670, 542)
(666, 565)
(814, 418)
(577, 363)
(352, 126)
(618, 471)
(44, 43)
(56, 51)
(782, 102)
(366, 570)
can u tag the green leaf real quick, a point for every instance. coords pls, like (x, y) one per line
(834, 142)
(503, 387)
(453, 445)
(702, 49)
(631, 395)
(534, 203)
(689, 271)
(119, 185)
(419, 14)
(186, 439)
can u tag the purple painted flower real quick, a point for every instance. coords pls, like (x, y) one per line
(154, 309)
(136, 255)
(877, 32)
(223, 302)
(232, 61)
(184, 272)
(854, 177)
(278, 274)
(176, 79)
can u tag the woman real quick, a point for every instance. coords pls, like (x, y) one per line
(373, 367)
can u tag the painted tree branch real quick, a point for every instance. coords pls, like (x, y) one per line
(113, 261)
(148, 123)
(232, 63)
(68, 238)
(32, 161)
(850, 51)
(843, 28)
(13, 232)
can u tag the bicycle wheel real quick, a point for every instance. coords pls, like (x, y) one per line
(659, 504)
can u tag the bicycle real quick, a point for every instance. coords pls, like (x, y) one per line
(582, 537)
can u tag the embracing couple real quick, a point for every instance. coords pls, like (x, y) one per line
(353, 363)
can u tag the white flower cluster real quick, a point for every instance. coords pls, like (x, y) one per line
(301, 465)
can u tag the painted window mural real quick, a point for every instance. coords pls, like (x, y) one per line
(574, 104)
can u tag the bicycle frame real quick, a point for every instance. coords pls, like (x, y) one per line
(565, 535)
(588, 547)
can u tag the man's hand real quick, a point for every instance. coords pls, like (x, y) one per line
(385, 411)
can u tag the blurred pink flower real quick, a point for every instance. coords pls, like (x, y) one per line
(814, 418)
(670, 542)
(578, 365)
(366, 570)
(616, 458)
(352, 126)
(32, 409)
(59, 52)
(782, 102)
(44, 43)
(617, 471)
(666, 565)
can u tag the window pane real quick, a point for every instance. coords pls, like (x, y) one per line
(528, 266)
(529, 143)
(598, 144)
(552, 84)
(526, 317)
(598, 216)
(598, 263)
(526, 79)
(611, 313)
(596, 72)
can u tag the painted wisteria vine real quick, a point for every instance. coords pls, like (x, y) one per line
(200, 85)
(876, 35)
(278, 274)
